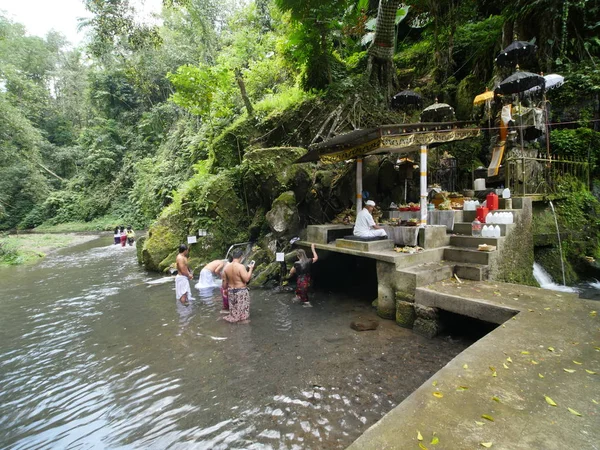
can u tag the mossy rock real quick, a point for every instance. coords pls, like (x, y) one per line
(283, 218)
(228, 147)
(427, 328)
(268, 172)
(139, 247)
(425, 312)
(405, 314)
(162, 241)
(268, 274)
(386, 312)
(408, 297)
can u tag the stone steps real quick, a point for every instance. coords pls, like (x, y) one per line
(475, 272)
(466, 255)
(464, 228)
(472, 241)
(425, 274)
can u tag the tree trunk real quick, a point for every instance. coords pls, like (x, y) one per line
(240, 81)
(380, 66)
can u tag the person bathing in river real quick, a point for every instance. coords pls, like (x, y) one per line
(236, 277)
(208, 272)
(302, 271)
(123, 237)
(130, 235)
(365, 226)
(183, 293)
(117, 236)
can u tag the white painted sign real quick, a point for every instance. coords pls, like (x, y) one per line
(192, 239)
(279, 257)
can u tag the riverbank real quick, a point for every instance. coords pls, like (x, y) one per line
(29, 248)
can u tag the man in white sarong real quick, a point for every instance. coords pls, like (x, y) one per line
(183, 292)
(365, 226)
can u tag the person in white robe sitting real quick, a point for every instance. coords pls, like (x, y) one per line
(365, 226)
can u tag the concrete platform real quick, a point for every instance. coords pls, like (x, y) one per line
(506, 376)
(365, 246)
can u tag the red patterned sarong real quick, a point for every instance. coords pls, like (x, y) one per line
(239, 305)
(302, 285)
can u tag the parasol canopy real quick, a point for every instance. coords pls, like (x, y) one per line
(406, 98)
(553, 81)
(520, 82)
(515, 52)
(482, 98)
(438, 112)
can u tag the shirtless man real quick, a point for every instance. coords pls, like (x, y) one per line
(236, 277)
(213, 268)
(182, 283)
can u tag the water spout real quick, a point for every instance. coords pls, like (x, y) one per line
(562, 262)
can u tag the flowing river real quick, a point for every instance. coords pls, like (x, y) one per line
(92, 356)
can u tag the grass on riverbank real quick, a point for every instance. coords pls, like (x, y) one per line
(27, 248)
(106, 223)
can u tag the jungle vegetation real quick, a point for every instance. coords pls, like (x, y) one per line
(143, 121)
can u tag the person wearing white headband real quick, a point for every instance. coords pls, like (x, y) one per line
(365, 226)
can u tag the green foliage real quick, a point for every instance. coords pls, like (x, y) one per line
(580, 143)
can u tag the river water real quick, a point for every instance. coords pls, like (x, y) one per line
(91, 356)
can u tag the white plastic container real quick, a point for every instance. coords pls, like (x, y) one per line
(489, 218)
(497, 231)
(479, 184)
(485, 231)
(506, 193)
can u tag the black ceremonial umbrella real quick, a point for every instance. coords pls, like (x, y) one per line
(515, 52)
(406, 99)
(519, 82)
(438, 112)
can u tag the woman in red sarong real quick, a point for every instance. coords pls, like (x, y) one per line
(302, 271)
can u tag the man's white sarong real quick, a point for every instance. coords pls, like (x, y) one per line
(207, 280)
(182, 286)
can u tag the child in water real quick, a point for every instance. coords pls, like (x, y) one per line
(117, 236)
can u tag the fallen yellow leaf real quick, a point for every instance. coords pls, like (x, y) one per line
(419, 436)
(494, 374)
(421, 446)
(496, 399)
(466, 366)
(504, 365)
(486, 444)
(509, 359)
(593, 313)
(546, 309)
(577, 362)
(595, 402)
(524, 352)
(549, 401)
(434, 383)
(569, 370)
(479, 423)
(485, 416)
(572, 411)
(462, 388)
(597, 349)
(531, 310)
(435, 440)
(540, 375)
(438, 394)
(591, 372)
(534, 362)
(551, 349)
